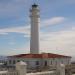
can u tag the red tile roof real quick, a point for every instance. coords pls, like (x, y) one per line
(43, 55)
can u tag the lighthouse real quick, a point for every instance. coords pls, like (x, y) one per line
(35, 22)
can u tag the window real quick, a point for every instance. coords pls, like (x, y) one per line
(14, 62)
(18, 60)
(9, 61)
(68, 61)
(45, 63)
(5, 63)
(62, 61)
(56, 62)
(51, 62)
(37, 62)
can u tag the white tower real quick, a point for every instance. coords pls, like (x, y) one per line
(35, 21)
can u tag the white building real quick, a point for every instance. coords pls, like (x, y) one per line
(39, 60)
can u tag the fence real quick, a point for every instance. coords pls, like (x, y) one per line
(39, 73)
(43, 73)
(21, 70)
(8, 73)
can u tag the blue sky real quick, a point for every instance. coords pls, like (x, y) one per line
(57, 26)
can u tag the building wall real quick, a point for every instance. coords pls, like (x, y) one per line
(30, 62)
(33, 62)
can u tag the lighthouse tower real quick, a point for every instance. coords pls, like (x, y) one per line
(35, 21)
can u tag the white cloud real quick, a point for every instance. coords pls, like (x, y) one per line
(2, 33)
(53, 21)
(62, 42)
(21, 30)
(26, 29)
